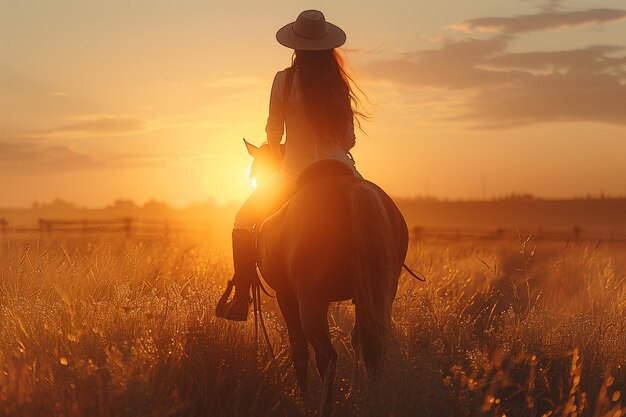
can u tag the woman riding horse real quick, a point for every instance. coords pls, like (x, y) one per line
(314, 100)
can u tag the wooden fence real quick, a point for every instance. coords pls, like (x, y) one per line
(133, 227)
(576, 234)
(126, 225)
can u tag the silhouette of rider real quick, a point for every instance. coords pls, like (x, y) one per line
(314, 102)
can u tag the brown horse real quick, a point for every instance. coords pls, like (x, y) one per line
(338, 238)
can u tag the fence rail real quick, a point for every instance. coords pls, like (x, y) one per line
(131, 226)
(575, 234)
(125, 225)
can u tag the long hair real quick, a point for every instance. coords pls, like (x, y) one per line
(328, 91)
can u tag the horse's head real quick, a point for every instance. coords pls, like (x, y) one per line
(264, 163)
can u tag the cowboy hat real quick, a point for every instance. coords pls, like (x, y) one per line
(311, 32)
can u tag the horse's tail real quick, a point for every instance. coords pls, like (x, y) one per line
(374, 265)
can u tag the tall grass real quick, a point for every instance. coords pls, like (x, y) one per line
(126, 328)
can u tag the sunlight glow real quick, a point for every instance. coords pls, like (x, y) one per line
(251, 179)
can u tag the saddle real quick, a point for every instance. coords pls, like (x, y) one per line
(323, 169)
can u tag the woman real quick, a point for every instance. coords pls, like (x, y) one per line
(313, 99)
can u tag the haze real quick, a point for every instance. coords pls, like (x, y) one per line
(112, 99)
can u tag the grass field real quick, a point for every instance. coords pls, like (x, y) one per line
(120, 327)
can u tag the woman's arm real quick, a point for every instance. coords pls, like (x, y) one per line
(276, 121)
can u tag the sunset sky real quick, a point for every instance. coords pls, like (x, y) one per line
(144, 99)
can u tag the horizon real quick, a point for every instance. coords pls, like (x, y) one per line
(36, 204)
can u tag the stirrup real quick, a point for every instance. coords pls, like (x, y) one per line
(224, 308)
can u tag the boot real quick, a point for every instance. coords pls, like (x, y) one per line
(245, 273)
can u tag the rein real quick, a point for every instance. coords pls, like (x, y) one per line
(257, 286)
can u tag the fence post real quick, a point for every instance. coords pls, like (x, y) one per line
(44, 227)
(3, 227)
(167, 228)
(128, 225)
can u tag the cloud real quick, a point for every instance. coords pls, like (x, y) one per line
(455, 65)
(506, 89)
(28, 157)
(185, 121)
(58, 93)
(550, 98)
(546, 20)
(98, 125)
(233, 82)
(105, 125)
(594, 59)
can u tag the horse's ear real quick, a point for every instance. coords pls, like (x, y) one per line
(252, 150)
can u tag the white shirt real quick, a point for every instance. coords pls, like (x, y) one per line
(303, 146)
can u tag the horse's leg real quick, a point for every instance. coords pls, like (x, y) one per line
(315, 325)
(288, 304)
(354, 338)
(356, 347)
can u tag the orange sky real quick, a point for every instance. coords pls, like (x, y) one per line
(150, 99)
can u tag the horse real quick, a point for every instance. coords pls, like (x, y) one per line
(338, 238)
